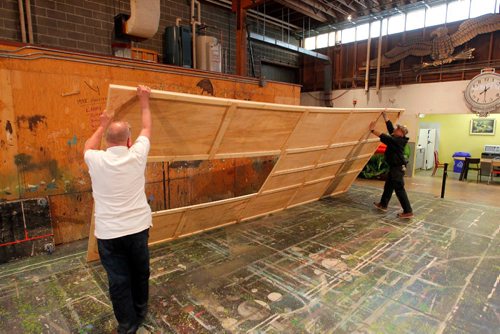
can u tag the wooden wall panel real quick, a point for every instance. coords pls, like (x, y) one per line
(310, 192)
(203, 218)
(50, 102)
(323, 171)
(336, 153)
(292, 160)
(196, 130)
(341, 183)
(285, 180)
(322, 125)
(165, 224)
(320, 151)
(258, 131)
(267, 203)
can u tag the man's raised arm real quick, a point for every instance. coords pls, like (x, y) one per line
(94, 142)
(143, 93)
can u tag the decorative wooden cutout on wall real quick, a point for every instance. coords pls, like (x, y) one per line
(321, 151)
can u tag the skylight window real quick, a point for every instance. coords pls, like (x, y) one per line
(331, 39)
(310, 43)
(321, 41)
(348, 35)
(362, 32)
(396, 24)
(338, 36)
(415, 19)
(375, 29)
(458, 10)
(435, 15)
(481, 7)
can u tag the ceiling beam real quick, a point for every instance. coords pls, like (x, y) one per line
(320, 6)
(348, 5)
(335, 8)
(300, 7)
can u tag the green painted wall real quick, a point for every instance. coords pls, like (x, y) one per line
(454, 135)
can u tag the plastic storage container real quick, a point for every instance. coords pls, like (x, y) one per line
(459, 163)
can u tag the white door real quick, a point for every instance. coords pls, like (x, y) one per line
(420, 149)
(431, 147)
(426, 146)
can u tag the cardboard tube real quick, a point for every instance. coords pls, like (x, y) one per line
(144, 18)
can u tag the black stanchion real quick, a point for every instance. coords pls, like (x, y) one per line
(445, 175)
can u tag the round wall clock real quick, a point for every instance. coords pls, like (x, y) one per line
(483, 92)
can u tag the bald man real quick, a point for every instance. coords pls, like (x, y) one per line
(122, 214)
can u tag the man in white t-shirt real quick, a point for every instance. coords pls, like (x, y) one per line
(122, 213)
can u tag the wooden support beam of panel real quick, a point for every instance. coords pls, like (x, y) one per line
(222, 130)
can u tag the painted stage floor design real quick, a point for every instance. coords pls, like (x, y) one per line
(333, 266)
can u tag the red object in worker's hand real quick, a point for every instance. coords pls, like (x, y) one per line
(381, 148)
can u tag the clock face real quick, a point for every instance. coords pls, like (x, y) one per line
(483, 92)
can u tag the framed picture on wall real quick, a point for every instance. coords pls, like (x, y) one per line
(482, 126)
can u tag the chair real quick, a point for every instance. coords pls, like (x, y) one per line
(437, 164)
(473, 164)
(493, 172)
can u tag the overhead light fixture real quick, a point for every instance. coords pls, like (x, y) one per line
(349, 18)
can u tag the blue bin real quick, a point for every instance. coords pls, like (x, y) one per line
(457, 166)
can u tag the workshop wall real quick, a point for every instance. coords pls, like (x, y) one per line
(50, 104)
(86, 25)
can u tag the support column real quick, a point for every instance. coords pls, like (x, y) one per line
(241, 40)
(240, 8)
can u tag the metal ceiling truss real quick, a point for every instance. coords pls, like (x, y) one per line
(338, 11)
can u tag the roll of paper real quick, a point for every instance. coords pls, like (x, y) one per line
(144, 18)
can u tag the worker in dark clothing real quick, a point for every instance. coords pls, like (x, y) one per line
(394, 156)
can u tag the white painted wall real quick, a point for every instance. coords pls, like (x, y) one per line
(428, 98)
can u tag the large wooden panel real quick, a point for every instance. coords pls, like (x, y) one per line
(320, 150)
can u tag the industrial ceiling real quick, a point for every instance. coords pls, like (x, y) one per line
(325, 15)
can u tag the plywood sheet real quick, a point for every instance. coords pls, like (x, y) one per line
(308, 193)
(320, 150)
(207, 217)
(296, 160)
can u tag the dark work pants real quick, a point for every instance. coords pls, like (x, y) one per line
(395, 182)
(126, 260)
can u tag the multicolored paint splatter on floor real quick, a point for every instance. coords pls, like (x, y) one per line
(333, 266)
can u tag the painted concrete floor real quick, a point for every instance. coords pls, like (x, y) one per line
(332, 266)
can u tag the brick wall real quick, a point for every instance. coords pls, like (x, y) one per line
(9, 20)
(86, 25)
